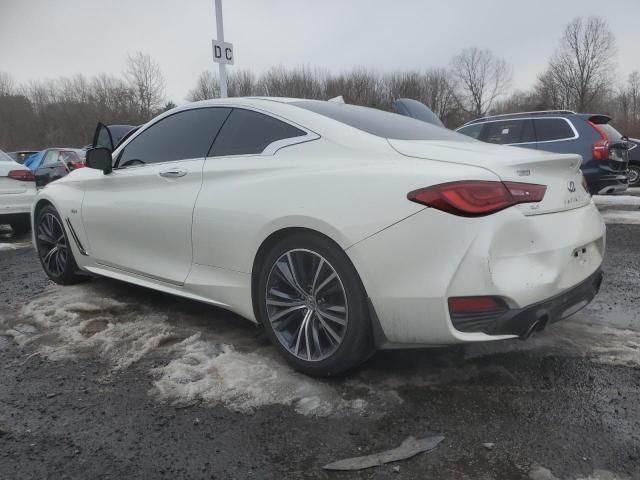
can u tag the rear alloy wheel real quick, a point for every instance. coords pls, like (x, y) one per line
(53, 247)
(313, 306)
(634, 175)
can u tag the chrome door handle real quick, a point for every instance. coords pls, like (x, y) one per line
(173, 173)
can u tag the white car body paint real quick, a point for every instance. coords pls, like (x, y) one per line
(197, 236)
(16, 197)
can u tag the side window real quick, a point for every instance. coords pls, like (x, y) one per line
(472, 130)
(50, 159)
(247, 132)
(552, 129)
(183, 135)
(504, 131)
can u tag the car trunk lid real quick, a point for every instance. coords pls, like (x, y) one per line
(560, 173)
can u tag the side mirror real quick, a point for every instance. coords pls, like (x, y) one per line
(100, 159)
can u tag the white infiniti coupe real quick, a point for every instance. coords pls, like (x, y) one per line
(340, 229)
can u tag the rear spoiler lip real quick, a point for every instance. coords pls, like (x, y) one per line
(598, 119)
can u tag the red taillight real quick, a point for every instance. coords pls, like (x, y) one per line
(22, 175)
(475, 198)
(461, 305)
(600, 149)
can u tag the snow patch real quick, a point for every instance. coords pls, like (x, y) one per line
(214, 362)
(621, 216)
(616, 200)
(14, 246)
(220, 374)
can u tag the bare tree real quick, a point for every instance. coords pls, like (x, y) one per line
(439, 94)
(6, 84)
(433, 88)
(207, 86)
(480, 78)
(242, 83)
(147, 82)
(580, 70)
(360, 87)
(299, 82)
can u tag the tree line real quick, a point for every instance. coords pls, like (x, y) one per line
(579, 76)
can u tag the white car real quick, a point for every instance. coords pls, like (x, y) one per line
(340, 229)
(17, 192)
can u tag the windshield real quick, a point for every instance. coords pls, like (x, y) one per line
(380, 123)
(4, 157)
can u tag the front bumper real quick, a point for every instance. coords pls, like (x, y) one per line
(523, 321)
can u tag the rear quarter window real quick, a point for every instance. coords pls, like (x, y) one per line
(472, 131)
(248, 133)
(548, 129)
(506, 132)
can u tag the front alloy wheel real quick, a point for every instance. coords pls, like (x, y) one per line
(53, 248)
(52, 245)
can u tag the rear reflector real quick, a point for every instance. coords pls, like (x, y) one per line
(474, 198)
(458, 305)
(22, 175)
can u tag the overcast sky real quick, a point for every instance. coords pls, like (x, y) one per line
(51, 38)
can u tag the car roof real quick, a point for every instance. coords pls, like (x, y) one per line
(592, 117)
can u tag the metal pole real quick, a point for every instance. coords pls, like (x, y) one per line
(221, 66)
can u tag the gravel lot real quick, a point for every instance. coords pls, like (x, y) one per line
(109, 380)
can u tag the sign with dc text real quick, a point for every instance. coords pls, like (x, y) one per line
(222, 52)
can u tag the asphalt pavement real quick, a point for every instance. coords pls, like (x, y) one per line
(109, 380)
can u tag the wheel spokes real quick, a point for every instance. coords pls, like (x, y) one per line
(52, 244)
(306, 305)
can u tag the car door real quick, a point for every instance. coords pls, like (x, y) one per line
(50, 169)
(244, 152)
(138, 218)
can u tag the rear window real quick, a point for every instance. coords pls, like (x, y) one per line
(613, 134)
(553, 129)
(4, 157)
(380, 123)
(507, 132)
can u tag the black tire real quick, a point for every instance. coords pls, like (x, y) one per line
(356, 344)
(22, 225)
(62, 269)
(634, 175)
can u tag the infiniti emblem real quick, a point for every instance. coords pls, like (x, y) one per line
(571, 186)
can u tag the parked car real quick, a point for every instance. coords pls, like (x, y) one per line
(339, 228)
(634, 163)
(54, 163)
(603, 149)
(17, 192)
(21, 156)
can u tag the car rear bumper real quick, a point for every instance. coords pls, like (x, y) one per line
(411, 269)
(603, 183)
(523, 321)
